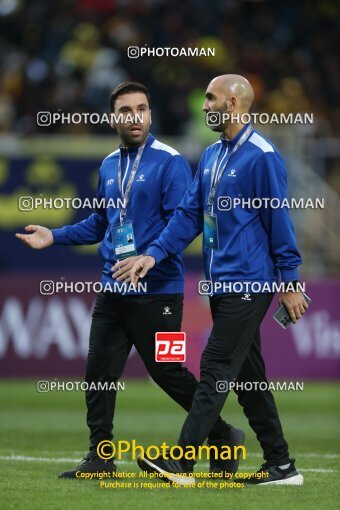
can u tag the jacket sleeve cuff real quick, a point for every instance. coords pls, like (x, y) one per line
(157, 253)
(59, 236)
(289, 275)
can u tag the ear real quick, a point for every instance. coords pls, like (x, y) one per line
(150, 118)
(233, 103)
(112, 121)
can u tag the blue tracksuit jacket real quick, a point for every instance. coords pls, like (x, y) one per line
(162, 178)
(255, 244)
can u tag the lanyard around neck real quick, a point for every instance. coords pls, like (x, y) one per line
(126, 196)
(214, 183)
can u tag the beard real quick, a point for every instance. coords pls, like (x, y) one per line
(129, 139)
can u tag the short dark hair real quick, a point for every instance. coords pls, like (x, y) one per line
(128, 87)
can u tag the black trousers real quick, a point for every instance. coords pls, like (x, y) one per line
(118, 323)
(233, 353)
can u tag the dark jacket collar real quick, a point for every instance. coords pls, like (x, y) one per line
(236, 138)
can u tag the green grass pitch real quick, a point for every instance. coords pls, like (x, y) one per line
(45, 433)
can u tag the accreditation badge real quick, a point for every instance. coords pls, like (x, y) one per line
(210, 231)
(123, 241)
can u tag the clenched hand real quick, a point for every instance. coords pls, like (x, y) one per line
(295, 303)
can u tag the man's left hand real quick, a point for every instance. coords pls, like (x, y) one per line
(295, 304)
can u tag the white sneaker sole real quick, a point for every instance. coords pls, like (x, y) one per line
(293, 480)
(172, 477)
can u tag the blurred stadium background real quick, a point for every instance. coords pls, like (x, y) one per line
(67, 55)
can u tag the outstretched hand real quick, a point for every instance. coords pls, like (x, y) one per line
(40, 238)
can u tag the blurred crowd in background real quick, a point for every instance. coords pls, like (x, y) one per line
(69, 54)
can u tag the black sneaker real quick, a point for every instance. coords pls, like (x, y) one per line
(268, 474)
(172, 470)
(235, 437)
(90, 464)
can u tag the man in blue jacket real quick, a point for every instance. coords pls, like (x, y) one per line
(243, 245)
(148, 179)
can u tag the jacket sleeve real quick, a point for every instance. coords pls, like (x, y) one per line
(88, 231)
(184, 226)
(271, 182)
(176, 181)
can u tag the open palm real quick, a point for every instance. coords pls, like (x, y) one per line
(41, 237)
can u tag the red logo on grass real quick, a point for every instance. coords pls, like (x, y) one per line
(170, 346)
